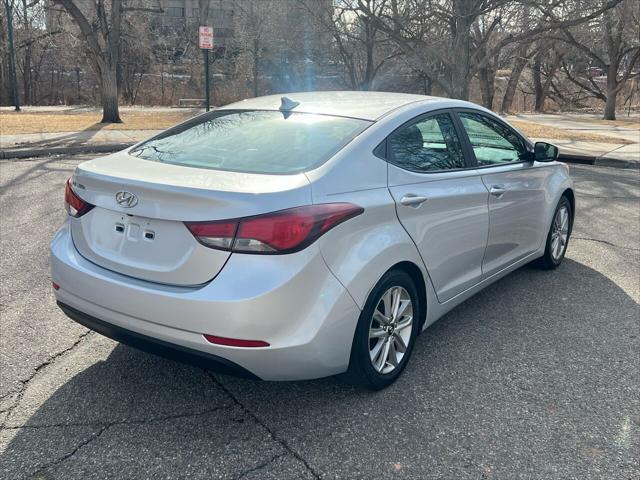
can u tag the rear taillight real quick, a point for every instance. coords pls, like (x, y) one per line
(76, 207)
(284, 231)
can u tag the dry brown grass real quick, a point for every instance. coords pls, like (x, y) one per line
(14, 123)
(536, 130)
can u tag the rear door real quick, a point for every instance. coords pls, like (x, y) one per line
(441, 201)
(516, 187)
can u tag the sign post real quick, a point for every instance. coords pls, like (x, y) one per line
(205, 42)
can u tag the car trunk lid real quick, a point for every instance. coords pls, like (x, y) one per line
(137, 229)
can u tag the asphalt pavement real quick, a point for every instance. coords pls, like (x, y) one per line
(536, 377)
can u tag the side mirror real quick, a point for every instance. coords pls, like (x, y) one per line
(545, 152)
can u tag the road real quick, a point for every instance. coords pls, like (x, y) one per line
(537, 377)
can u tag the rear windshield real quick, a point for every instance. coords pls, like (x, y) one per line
(253, 141)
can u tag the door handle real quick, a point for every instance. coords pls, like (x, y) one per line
(411, 200)
(497, 190)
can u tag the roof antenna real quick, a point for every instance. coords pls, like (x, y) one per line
(287, 104)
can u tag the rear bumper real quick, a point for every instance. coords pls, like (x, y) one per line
(293, 302)
(155, 346)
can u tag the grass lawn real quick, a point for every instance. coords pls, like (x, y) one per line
(16, 123)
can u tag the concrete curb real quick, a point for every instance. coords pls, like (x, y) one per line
(115, 147)
(598, 161)
(45, 152)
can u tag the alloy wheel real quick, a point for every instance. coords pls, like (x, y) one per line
(390, 329)
(560, 233)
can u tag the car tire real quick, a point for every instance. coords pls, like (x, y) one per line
(559, 231)
(367, 367)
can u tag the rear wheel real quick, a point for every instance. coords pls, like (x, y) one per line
(558, 236)
(386, 332)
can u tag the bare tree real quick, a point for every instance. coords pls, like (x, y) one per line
(442, 31)
(546, 64)
(102, 31)
(102, 36)
(9, 11)
(362, 48)
(253, 29)
(612, 45)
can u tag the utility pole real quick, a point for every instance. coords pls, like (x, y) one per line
(8, 6)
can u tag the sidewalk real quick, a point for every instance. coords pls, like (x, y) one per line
(600, 152)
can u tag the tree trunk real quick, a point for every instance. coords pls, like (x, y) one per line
(367, 75)
(610, 105)
(427, 84)
(255, 78)
(460, 74)
(512, 84)
(26, 71)
(612, 92)
(26, 76)
(109, 94)
(256, 50)
(78, 85)
(12, 57)
(487, 78)
(461, 58)
(537, 84)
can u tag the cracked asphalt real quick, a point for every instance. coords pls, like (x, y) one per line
(536, 377)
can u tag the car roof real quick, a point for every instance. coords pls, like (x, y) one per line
(356, 104)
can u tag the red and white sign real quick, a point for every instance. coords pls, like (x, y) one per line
(205, 35)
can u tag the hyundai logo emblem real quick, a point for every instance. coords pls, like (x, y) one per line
(126, 199)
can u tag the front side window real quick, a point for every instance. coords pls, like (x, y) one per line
(253, 141)
(430, 144)
(492, 142)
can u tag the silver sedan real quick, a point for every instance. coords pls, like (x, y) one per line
(308, 235)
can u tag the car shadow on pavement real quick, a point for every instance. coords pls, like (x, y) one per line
(536, 376)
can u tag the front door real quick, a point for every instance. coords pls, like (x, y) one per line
(516, 186)
(440, 201)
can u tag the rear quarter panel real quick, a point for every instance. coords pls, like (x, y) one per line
(362, 249)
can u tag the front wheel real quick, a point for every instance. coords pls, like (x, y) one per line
(558, 236)
(386, 331)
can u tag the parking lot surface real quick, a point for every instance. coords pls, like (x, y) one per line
(536, 377)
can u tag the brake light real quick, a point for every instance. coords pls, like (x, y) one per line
(75, 206)
(284, 231)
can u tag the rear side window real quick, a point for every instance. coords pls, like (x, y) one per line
(430, 144)
(492, 142)
(253, 141)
